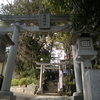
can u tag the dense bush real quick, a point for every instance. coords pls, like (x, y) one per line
(29, 81)
(68, 79)
(35, 81)
(22, 81)
(14, 82)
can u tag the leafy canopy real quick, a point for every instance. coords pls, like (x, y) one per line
(82, 12)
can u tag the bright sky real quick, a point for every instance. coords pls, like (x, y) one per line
(6, 1)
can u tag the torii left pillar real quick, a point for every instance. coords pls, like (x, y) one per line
(40, 89)
(8, 71)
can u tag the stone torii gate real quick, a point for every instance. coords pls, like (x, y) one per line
(43, 19)
(40, 90)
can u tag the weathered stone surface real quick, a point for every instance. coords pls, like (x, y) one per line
(30, 89)
(66, 98)
(7, 97)
(53, 98)
(77, 98)
(92, 85)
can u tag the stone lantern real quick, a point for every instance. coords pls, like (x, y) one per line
(83, 54)
(85, 49)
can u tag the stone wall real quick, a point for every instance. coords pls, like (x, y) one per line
(31, 89)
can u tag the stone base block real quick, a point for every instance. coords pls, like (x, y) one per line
(40, 91)
(92, 85)
(77, 98)
(7, 95)
(60, 92)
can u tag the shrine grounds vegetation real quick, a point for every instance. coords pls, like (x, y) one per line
(24, 81)
(83, 13)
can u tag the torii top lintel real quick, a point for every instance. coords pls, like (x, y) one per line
(33, 18)
(43, 19)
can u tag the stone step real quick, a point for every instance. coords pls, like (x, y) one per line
(44, 98)
(47, 96)
(49, 91)
(51, 94)
(23, 98)
(52, 98)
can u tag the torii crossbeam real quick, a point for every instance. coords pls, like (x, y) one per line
(45, 18)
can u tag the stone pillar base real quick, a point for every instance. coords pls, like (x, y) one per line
(4, 95)
(40, 91)
(60, 92)
(77, 96)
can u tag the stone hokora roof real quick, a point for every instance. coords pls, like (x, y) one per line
(4, 42)
(6, 39)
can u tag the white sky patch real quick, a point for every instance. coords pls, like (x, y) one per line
(6, 1)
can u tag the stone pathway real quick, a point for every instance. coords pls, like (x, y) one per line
(51, 98)
(24, 96)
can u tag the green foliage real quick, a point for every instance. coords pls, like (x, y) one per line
(35, 81)
(29, 50)
(14, 82)
(22, 81)
(29, 81)
(82, 13)
(96, 66)
(86, 13)
(67, 80)
(20, 7)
